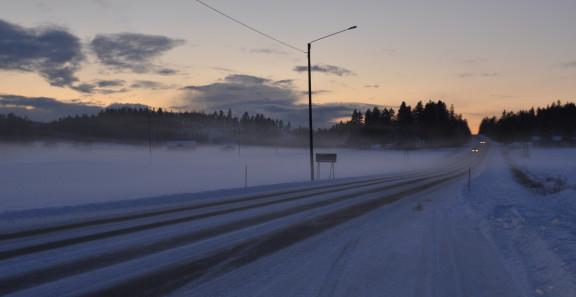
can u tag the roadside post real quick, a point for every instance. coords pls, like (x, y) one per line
(469, 173)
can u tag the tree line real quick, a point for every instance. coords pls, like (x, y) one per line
(430, 124)
(554, 124)
(426, 125)
(156, 125)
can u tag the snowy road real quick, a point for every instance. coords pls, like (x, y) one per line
(158, 251)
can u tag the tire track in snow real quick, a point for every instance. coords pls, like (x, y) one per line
(331, 285)
(69, 268)
(7, 254)
(163, 281)
(148, 214)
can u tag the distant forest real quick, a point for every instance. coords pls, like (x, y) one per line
(554, 125)
(425, 125)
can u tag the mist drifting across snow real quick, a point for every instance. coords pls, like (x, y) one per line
(37, 176)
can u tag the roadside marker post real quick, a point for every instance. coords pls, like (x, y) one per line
(469, 179)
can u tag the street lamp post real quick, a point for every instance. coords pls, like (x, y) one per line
(310, 100)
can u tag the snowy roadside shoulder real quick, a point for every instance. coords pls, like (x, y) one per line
(531, 229)
(548, 172)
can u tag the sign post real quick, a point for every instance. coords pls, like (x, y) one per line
(326, 158)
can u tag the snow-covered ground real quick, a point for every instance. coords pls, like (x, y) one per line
(533, 230)
(38, 177)
(499, 238)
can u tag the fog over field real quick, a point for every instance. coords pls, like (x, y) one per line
(37, 176)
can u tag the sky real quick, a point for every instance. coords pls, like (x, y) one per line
(63, 57)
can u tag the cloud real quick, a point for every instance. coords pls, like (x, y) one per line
(570, 64)
(56, 55)
(116, 86)
(111, 83)
(42, 108)
(166, 71)
(101, 87)
(328, 69)
(134, 52)
(315, 92)
(84, 88)
(275, 99)
(147, 84)
(372, 86)
(52, 52)
(242, 93)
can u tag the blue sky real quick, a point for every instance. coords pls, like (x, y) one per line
(59, 56)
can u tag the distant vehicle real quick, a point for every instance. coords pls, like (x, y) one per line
(475, 150)
(482, 142)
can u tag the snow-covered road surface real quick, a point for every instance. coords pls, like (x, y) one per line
(420, 233)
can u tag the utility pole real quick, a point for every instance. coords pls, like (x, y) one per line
(310, 101)
(310, 114)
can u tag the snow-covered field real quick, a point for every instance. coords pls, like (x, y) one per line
(37, 177)
(499, 238)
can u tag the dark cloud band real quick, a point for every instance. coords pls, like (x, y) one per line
(328, 69)
(133, 51)
(53, 53)
(46, 109)
(277, 99)
(56, 55)
(42, 108)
